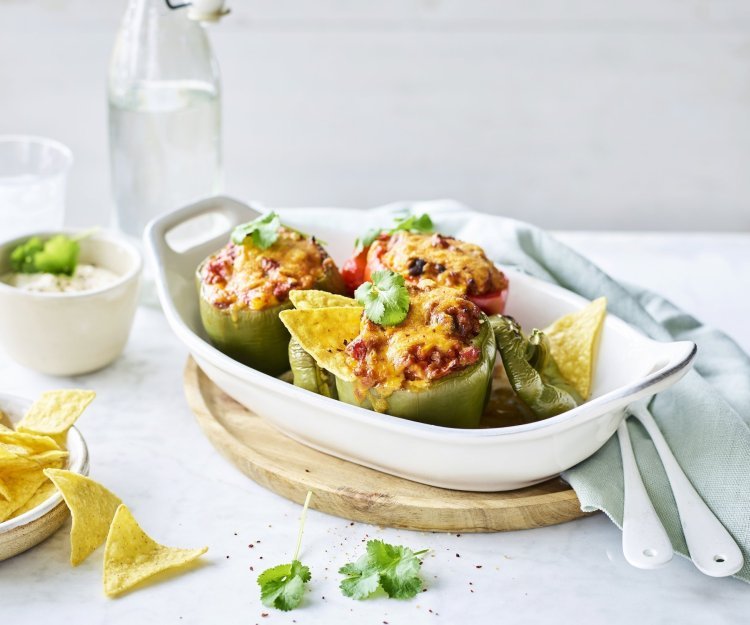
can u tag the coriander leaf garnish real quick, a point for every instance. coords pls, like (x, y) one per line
(411, 223)
(283, 586)
(367, 239)
(393, 568)
(385, 299)
(56, 255)
(263, 231)
(423, 223)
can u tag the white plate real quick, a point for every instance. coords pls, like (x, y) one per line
(630, 366)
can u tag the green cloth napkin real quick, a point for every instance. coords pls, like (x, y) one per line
(705, 417)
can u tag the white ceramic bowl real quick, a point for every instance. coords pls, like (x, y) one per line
(630, 366)
(72, 333)
(32, 527)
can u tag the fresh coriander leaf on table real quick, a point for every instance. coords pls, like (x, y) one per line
(385, 299)
(361, 579)
(282, 587)
(393, 568)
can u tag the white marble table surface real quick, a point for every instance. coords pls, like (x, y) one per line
(146, 447)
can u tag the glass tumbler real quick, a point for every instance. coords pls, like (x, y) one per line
(33, 176)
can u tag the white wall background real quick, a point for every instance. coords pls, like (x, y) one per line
(581, 114)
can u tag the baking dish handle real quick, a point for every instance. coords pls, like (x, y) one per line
(163, 255)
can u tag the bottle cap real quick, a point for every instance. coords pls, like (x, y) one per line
(207, 10)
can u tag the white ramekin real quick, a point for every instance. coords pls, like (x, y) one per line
(72, 333)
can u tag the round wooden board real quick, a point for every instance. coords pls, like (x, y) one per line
(357, 493)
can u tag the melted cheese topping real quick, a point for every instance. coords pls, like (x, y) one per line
(446, 260)
(244, 276)
(435, 340)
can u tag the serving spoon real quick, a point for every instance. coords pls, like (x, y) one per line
(645, 543)
(712, 548)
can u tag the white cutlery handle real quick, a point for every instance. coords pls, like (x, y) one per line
(645, 543)
(712, 549)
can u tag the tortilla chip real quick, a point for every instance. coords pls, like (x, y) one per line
(574, 341)
(32, 462)
(92, 507)
(324, 334)
(25, 452)
(42, 494)
(132, 556)
(55, 412)
(25, 444)
(305, 300)
(21, 486)
(4, 490)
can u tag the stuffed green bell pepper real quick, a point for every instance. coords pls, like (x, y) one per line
(416, 351)
(245, 285)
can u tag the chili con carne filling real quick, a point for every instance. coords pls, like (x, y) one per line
(247, 277)
(435, 340)
(446, 260)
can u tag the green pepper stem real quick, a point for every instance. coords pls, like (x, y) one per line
(302, 524)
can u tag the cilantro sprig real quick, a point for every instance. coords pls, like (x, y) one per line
(57, 255)
(283, 586)
(393, 568)
(410, 223)
(264, 231)
(385, 299)
(414, 223)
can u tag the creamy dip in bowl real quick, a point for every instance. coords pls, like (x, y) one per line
(85, 278)
(68, 325)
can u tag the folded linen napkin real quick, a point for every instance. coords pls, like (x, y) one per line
(705, 418)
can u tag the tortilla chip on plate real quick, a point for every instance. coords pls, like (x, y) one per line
(574, 341)
(92, 507)
(44, 492)
(132, 556)
(55, 411)
(26, 444)
(324, 333)
(20, 486)
(31, 462)
(4, 490)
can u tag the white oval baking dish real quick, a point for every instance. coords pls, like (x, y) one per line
(630, 366)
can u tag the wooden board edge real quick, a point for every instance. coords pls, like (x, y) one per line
(559, 507)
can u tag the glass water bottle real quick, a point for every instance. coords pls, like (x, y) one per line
(164, 114)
